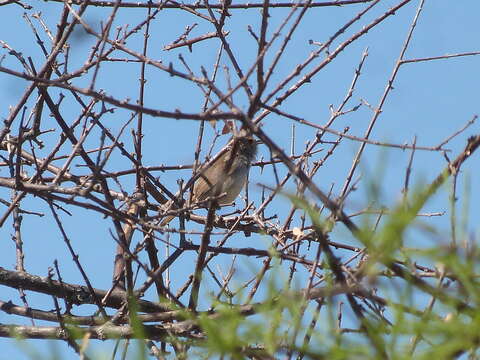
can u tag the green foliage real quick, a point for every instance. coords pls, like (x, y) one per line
(427, 319)
(229, 332)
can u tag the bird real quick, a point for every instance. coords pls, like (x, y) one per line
(223, 179)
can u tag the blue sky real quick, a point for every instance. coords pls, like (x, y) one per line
(430, 100)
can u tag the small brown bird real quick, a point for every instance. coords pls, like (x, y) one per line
(223, 179)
